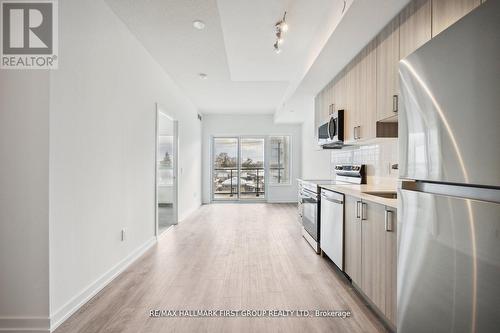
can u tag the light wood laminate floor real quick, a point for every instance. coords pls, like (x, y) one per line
(227, 256)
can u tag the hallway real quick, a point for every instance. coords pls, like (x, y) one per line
(227, 256)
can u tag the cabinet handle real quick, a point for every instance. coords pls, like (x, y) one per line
(356, 132)
(363, 210)
(395, 102)
(359, 130)
(357, 209)
(388, 220)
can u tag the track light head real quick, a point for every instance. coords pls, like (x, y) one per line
(280, 27)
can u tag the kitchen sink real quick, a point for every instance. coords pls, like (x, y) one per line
(388, 195)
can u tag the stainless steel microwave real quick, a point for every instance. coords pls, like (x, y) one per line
(331, 133)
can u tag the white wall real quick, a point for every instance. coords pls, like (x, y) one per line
(226, 125)
(24, 197)
(315, 161)
(102, 150)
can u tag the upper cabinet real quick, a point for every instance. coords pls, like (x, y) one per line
(317, 108)
(350, 116)
(324, 107)
(387, 70)
(447, 12)
(367, 88)
(367, 93)
(415, 26)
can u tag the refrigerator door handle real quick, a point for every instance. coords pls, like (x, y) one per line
(490, 194)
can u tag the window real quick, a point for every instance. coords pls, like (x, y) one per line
(279, 163)
(238, 168)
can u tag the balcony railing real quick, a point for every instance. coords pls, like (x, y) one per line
(251, 184)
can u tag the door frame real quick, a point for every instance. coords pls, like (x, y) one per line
(175, 143)
(212, 160)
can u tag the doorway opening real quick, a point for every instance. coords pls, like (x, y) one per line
(238, 169)
(166, 162)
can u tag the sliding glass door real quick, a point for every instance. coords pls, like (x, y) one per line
(252, 168)
(238, 168)
(225, 169)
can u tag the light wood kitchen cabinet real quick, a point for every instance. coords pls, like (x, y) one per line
(331, 100)
(339, 91)
(352, 239)
(447, 12)
(391, 265)
(387, 70)
(370, 252)
(415, 26)
(317, 109)
(350, 114)
(367, 94)
(326, 102)
(367, 88)
(373, 257)
(322, 107)
(360, 101)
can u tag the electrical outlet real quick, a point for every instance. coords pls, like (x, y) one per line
(123, 234)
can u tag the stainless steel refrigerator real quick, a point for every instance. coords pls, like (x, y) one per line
(449, 211)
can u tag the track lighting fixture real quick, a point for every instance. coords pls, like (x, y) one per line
(280, 27)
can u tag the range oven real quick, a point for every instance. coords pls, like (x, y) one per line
(310, 201)
(309, 204)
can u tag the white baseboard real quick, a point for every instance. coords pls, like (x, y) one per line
(63, 313)
(25, 324)
(186, 214)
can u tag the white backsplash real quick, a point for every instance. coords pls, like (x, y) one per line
(378, 158)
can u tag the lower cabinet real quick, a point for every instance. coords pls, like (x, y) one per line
(371, 252)
(352, 239)
(373, 256)
(391, 265)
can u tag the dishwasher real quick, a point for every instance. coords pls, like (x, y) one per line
(332, 226)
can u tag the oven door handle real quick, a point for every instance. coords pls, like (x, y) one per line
(306, 200)
(307, 195)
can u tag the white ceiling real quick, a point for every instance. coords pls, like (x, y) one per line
(248, 30)
(235, 49)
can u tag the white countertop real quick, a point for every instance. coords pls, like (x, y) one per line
(357, 191)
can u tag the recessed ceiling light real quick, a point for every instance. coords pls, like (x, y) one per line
(203, 76)
(198, 24)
